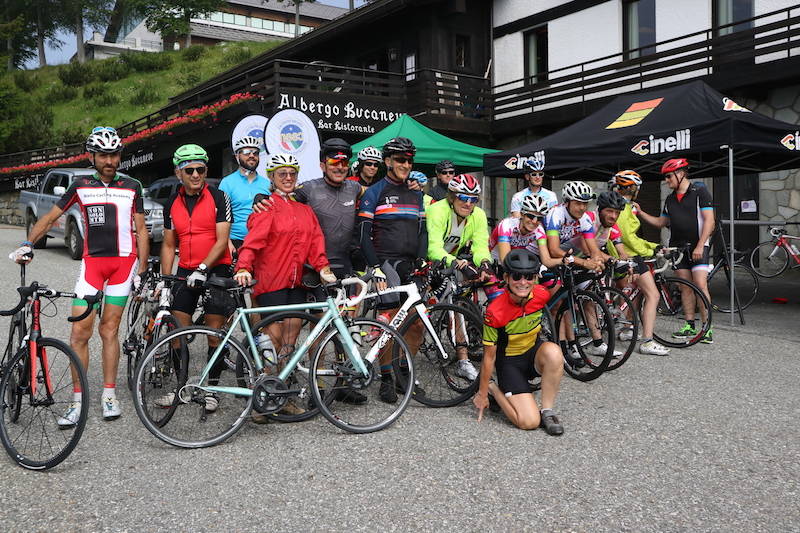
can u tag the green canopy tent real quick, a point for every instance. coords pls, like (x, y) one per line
(432, 147)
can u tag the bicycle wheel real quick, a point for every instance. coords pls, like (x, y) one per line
(719, 286)
(300, 406)
(669, 328)
(29, 429)
(625, 318)
(333, 376)
(460, 333)
(591, 315)
(169, 396)
(768, 259)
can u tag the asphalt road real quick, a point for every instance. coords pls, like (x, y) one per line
(705, 439)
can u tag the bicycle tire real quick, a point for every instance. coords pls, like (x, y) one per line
(587, 367)
(745, 280)
(332, 373)
(16, 332)
(190, 425)
(625, 316)
(771, 264)
(671, 305)
(435, 372)
(17, 435)
(297, 377)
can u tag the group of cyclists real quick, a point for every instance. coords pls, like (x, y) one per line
(275, 233)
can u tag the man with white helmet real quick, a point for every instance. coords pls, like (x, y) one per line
(365, 169)
(111, 207)
(534, 188)
(243, 184)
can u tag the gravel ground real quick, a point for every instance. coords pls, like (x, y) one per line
(703, 440)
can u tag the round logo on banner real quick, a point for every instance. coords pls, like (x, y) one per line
(291, 137)
(291, 131)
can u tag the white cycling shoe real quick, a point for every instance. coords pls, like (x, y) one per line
(651, 347)
(465, 369)
(71, 416)
(111, 408)
(591, 349)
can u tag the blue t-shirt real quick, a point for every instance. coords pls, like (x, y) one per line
(241, 192)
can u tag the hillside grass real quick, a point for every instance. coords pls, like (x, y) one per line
(115, 103)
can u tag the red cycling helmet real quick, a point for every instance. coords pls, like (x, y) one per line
(671, 165)
(465, 184)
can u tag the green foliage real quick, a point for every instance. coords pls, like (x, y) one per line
(76, 74)
(193, 53)
(235, 54)
(146, 61)
(94, 90)
(105, 100)
(145, 94)
(171, 18)
(59, 92)
(112, 69)
(25, 81)
(70, 134)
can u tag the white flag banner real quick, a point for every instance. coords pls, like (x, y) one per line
(253, 125)
(291, 132)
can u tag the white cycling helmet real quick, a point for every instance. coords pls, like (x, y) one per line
(465, 184)
(276, 161)
(248, 141)
(370, 153)
(577, 190)
(104, 139)
(535, 205)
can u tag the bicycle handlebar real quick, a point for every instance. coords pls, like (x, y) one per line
(24, 294)
(90, 300)
(669, 255)
(35, 288)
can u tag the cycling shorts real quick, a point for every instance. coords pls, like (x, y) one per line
(398, 272)
(216, 302)
(282, 297)
(114, 275)
(514, 372)
(687, 263)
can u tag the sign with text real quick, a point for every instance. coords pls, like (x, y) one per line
(333, 112)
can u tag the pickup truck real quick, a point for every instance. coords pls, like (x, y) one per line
(69, 226)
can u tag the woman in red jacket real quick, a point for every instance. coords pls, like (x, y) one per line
(279, 241)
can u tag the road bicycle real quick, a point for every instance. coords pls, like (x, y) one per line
(38, 386)
(771, 258)
(744, 278)
(179, 366)
(17, 329)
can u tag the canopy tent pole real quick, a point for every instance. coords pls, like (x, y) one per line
(732, 230)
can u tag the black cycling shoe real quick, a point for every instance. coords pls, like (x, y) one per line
(387, 393)
(551, 424)
(398, 387)
(350, 396)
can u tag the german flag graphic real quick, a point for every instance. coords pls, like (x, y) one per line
(634, 114)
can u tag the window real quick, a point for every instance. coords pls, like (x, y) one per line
(462, 51)
(729, 11)
(639, 28)
(290, 28)
(267, 24)
(240, 20)
(536, 55)
(216, 16)
(409, 68)
(279, 26)
(228, 18)
(56, 180)
(256, 23)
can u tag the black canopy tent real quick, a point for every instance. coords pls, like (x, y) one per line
(641, 130)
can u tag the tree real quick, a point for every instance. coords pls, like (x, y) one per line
(171, 18)
(75, 15)
(44, 15)
(296, 4)
(17, 38)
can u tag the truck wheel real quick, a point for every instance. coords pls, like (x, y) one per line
(74, 240)
(41, 243)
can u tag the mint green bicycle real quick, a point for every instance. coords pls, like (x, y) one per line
(188, 396)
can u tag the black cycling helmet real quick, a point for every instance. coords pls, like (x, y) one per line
(399, 145)
(521, 261)
(613, 200)
(445, 164)
(335, 148)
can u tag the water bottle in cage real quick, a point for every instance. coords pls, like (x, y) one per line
(266, 348)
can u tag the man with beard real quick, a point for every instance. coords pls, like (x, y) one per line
(243, 185)
(534, 187)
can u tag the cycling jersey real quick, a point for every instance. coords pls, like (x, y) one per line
(569, 230)
(603, 235)
(547, 194)
(241, 192)
(686, 215)
(514, 328)
(508, 231)
(392, 219)
(107, 211)
(194, 219)
(628, 224)
(335, 208)
(439, 192)
(446, 238)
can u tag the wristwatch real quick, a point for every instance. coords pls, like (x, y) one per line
(203, 268)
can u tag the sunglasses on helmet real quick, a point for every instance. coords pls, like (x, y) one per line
(98, 129)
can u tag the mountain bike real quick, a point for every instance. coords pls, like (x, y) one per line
(771, 258)
(179, 366)
(38, 386)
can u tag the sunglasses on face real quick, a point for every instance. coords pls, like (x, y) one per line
(248, 151)
(516, 276)
(446, 172)
(400, 160)
(533, 217)
(467, 199)
(537, 175)
(370, 164)
(191, 170)
(285, 174)
(337, 162)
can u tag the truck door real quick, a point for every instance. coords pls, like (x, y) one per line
(49, 198)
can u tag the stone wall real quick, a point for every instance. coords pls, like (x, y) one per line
(10, 212)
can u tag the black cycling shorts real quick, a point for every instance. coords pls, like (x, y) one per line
(687, 263)
(398, 272)
(282, 297)
(217, 302)
(514, 372)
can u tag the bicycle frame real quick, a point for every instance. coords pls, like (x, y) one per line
(791, 249)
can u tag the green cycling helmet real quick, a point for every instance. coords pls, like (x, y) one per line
(189, 152)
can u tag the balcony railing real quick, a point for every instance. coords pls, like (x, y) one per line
(773, 36)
